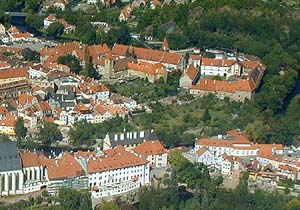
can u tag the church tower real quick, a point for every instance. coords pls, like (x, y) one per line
(108, 66)
(165, 46)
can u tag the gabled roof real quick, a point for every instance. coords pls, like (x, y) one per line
(147, 54)
(225, 86)
(9, 120)
(30, 159)
(150, 148)
(217, 62)
(25, 99)
(13, 73)
(192, 72)
(120, 159)
(65, 167)
(148, 68)
(201, 151)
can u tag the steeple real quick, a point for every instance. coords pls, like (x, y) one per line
(165, 45)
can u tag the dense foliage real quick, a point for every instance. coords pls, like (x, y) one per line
(49, 133)
(84, 133)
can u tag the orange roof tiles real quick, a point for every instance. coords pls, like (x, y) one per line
(44, 106)
(74, 48)
(288, 168)
(3, 110)
(9, 120)
(65, 167)
(30, 159)
(225, 86)
(80, 107)
(267, 150)
(192, 71)
(201, 151)
(116, 160)
(4, 64)
(252, 64)
(82, 154)
(150, 148)
(13, 73)
(238, 139)
(148, 68)
(13, 30)
(147, 54)
(217, 62)
(100, 109)
(25, 99)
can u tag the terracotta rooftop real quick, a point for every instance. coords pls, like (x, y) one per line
(147, 54)
(217, 62)
(225, 86)
(20, 72)
(150, 148)
(121, 159)
(147, 68)
(65, 167)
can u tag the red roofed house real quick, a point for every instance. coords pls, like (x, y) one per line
(231, 144)
(35, 172)
(7, 124)
(65, 172)
(220, 67)
(190, 77)
(287, 172)
(116, 172)
(172, 61)
(145, 70)
(154, 152)
(9, 75)
(247, 77)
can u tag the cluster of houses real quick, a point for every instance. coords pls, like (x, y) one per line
(53, 19)
(230, 78)
(13, 34)
(123, 165)
(234, 153)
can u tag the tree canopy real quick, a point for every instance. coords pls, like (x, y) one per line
(49, 133)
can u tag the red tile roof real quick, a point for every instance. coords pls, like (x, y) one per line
(148, 68)
(25, 99)
(9, 120)
(225, 86)
(14, 73)
(192, 71)
(65, 167)
(116, 160)
(150, 148)
(30, 159)
(147, 54)
(217, 62)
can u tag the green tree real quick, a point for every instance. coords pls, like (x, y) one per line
(206, 116)
(55, 29)
(71, 61)
(34, 21)
(109, 206)
(49, 133)
(20, 130)
(74, 200)
(82, 134)
(31, 55)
